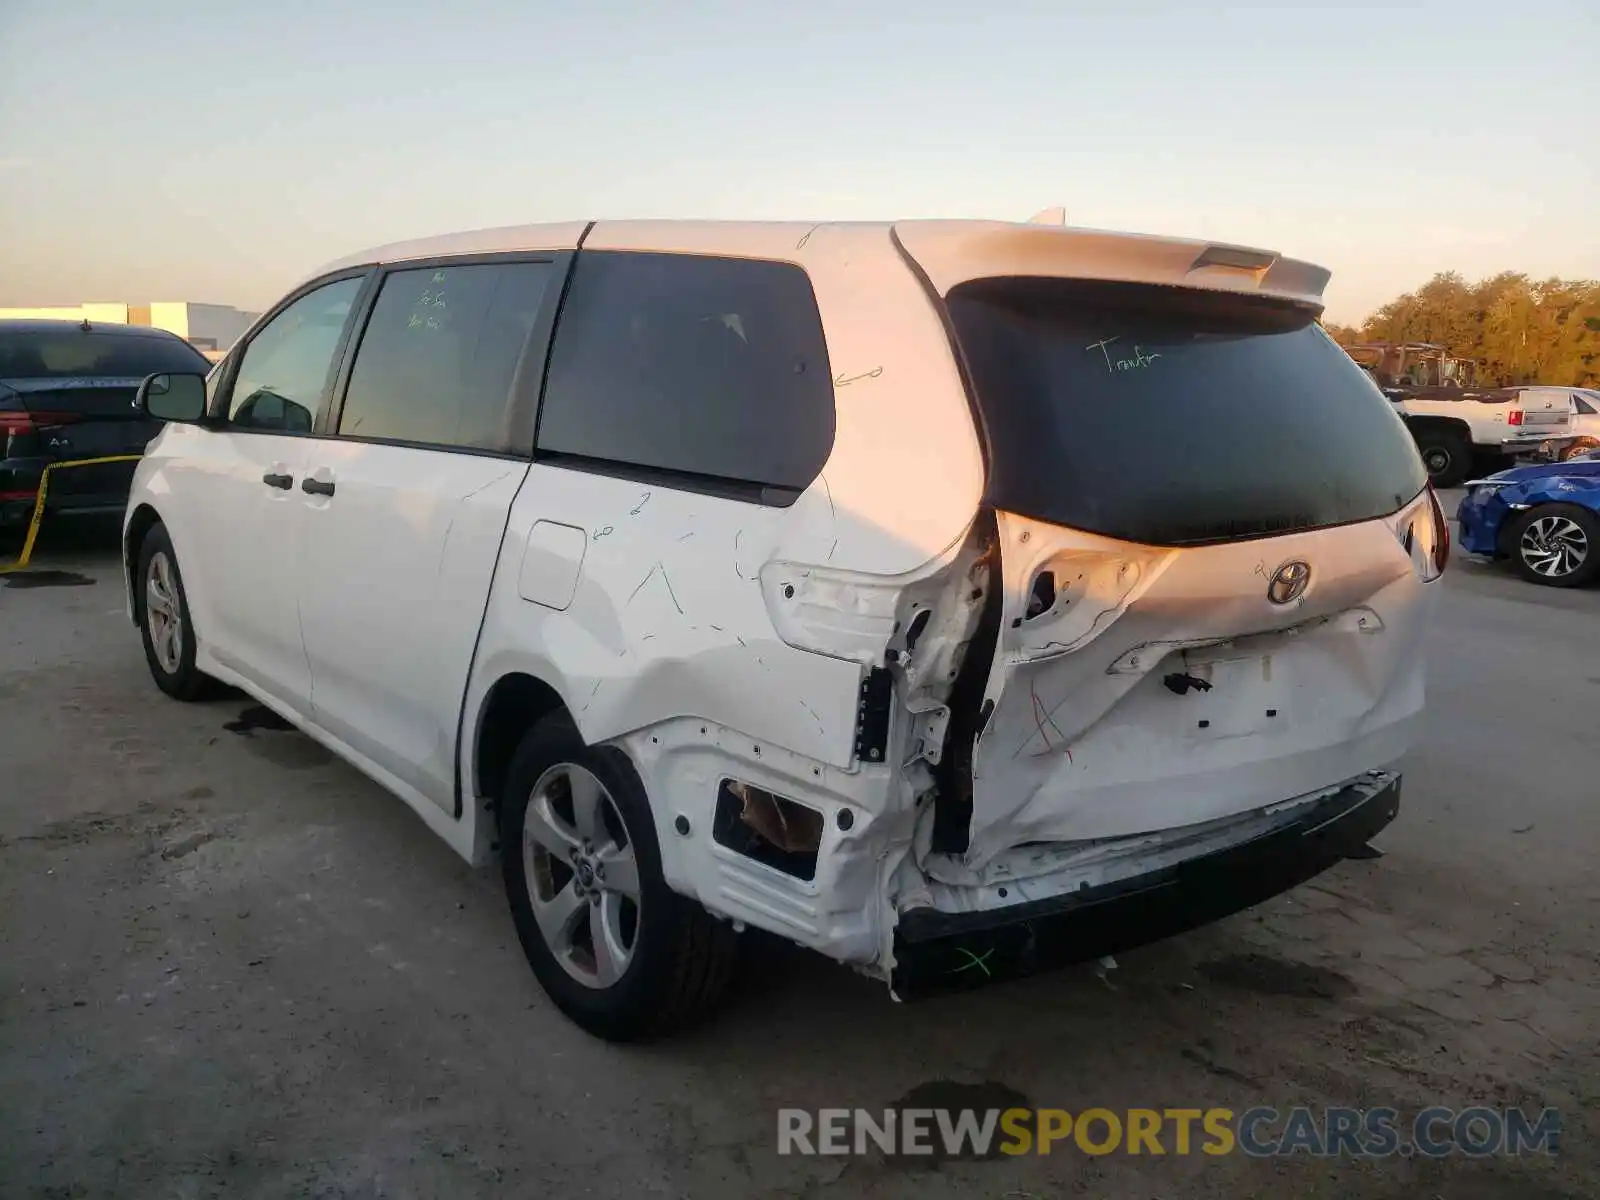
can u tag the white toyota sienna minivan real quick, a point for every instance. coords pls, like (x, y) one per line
(955, 598)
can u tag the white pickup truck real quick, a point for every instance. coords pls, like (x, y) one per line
(1453, 428)
(1457, 425)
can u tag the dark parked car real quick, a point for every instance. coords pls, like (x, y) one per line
(66, 392)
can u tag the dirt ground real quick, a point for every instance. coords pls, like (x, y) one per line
(231, 966)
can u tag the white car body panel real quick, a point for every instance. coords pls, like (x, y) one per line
(245, 601)
(712, 638)
(1546, 417)
(394, 573)
(1086, 739)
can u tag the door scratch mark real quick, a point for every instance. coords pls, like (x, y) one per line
(642, 582)
(843, 380)
(1038, 720)
(670, 592)
(643, 500)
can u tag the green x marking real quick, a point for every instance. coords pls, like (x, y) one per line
(973, 960)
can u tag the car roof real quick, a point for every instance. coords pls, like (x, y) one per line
(948, 251)
(46, 325)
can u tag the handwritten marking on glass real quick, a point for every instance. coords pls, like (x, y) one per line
(1139, 360)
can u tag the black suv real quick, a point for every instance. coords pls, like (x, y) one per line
(66, 393)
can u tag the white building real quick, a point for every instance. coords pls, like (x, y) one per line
(210, 327)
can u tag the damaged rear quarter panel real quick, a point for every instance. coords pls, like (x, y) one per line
(668, 647)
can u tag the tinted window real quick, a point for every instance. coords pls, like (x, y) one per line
(440, 350)
(28, 354)
(284, 371)
(1583, 405)
(712, 366)
(1168, 416)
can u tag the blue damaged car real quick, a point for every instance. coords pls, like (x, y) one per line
(1544, 518)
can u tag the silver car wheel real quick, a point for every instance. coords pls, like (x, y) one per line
(582, 877)
(163, 614)
(1554, 546)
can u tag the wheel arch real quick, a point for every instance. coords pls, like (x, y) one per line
(140, 522)
(1421, 426)
(513, 704)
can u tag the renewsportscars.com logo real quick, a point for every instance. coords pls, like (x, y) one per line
(1257, 1132)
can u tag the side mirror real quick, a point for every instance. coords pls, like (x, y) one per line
(172, 397)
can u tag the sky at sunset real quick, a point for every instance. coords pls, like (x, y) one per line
(220, 151)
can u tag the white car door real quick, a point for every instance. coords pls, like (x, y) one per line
(406, 506)
(238, 509)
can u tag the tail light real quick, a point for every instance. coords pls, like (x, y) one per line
(13, 422)
(1514, 417)
(1424, 532)
(1441, 525)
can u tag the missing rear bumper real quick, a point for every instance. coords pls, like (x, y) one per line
(938, 951)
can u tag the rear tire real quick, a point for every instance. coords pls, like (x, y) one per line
(162, 608)
(1582, 446)
(620, 953)
(1557, 545)
(1447, 455)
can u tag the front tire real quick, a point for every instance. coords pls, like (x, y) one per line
(1557, 545)
(162, 608)
(620, 953)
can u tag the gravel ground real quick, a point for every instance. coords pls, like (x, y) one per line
(231, 966)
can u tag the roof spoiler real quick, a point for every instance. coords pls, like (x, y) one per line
(952, 252)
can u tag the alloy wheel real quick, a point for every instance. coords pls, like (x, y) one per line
(163, 614)
(582, 877)
(1554, 546)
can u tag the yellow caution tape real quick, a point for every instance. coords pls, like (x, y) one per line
(38, 503)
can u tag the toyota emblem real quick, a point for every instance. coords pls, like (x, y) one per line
(1289, 582)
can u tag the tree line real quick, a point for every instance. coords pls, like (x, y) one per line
(1518, 329)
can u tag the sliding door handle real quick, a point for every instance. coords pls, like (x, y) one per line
(316, 487)
(281, 482)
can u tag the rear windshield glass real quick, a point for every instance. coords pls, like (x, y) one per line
(31, 355)
(1174, 417)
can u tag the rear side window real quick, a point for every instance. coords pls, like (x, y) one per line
(70, 352)
(439, 353)
(1173, 417)
(696, 366)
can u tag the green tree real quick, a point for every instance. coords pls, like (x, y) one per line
(1520, 331)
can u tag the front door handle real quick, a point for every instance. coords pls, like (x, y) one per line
(316, 487)
(281, 482)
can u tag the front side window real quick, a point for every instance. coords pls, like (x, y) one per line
(283, 375)
(704, 367)
(436, 363)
